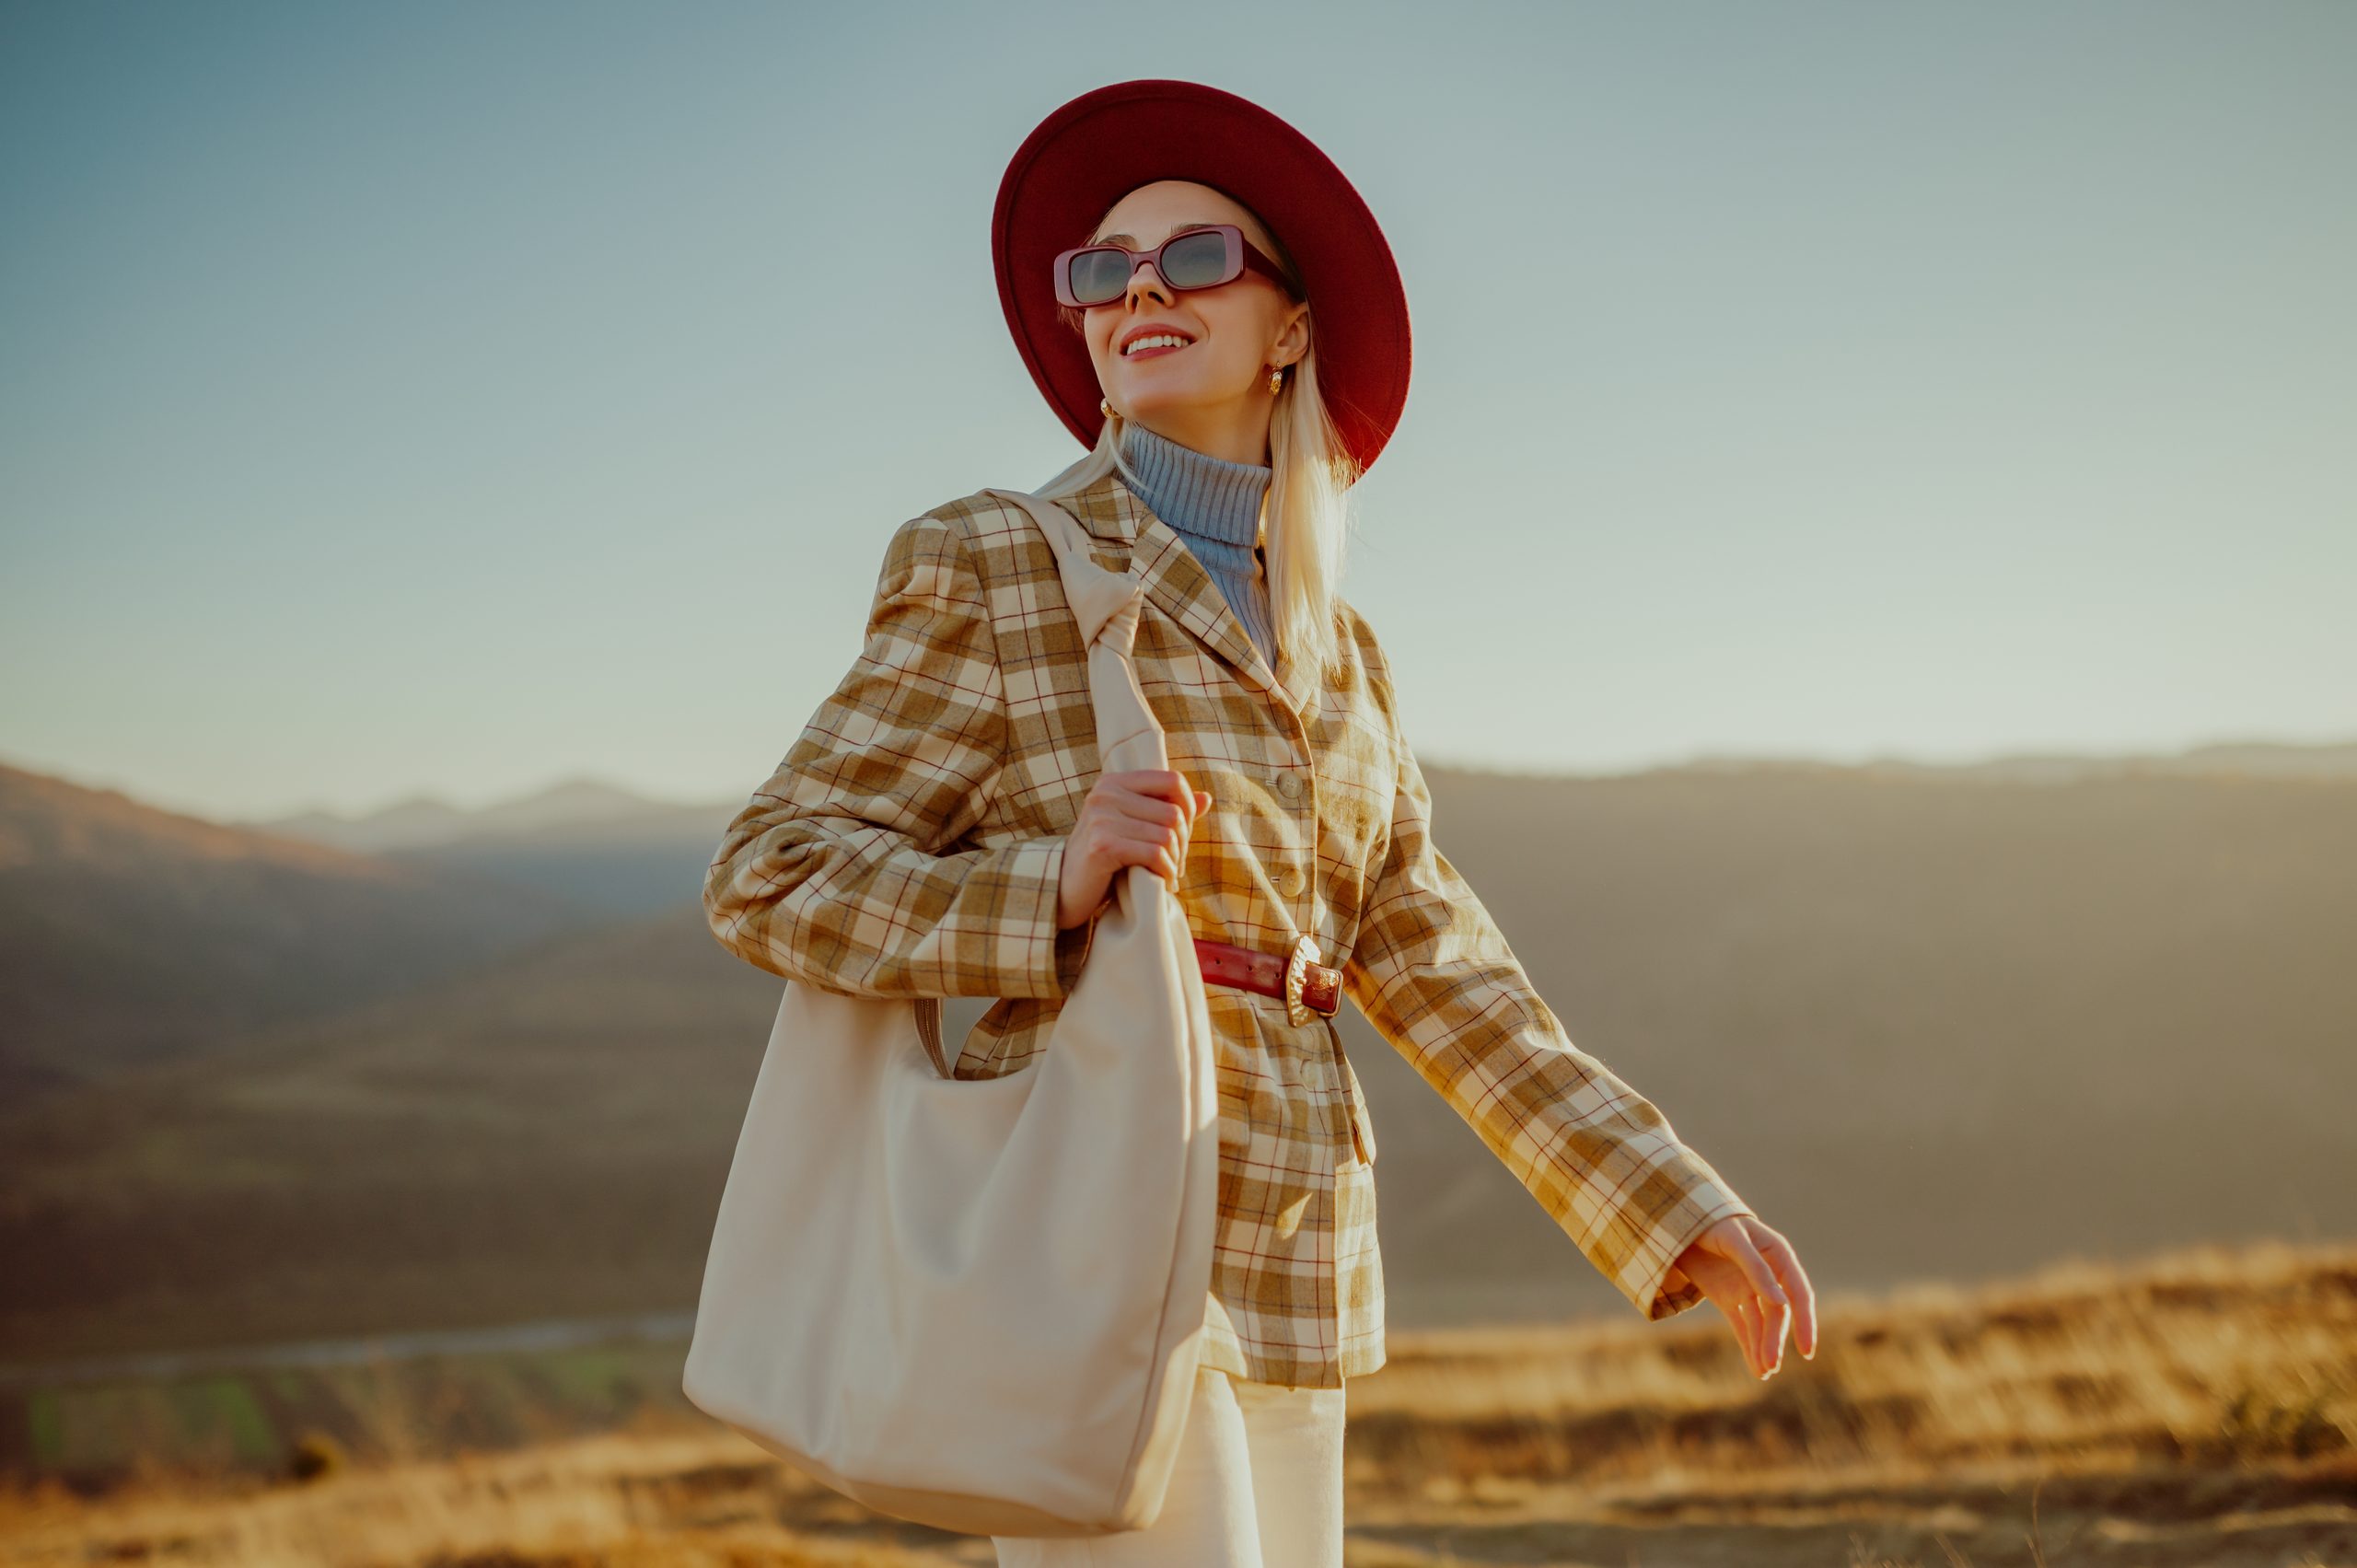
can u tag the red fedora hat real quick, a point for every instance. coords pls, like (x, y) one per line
(1103, 144)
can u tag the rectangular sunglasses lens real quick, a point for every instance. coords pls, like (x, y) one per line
(1196, 261)
(1099, 276)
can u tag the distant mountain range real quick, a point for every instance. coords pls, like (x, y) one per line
(1930, 1023)
(2244, 758)
(597, 846)
(130, 934)
(424, 823)
(586, 844)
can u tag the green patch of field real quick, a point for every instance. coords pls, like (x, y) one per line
(231, 1420)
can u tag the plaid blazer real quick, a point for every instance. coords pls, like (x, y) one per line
(911, 841)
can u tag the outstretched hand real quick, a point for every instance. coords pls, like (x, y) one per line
(1750, 1273)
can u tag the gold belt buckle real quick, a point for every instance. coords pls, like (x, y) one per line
(1304, 953)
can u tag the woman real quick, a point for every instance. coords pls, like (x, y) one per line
(941, 826)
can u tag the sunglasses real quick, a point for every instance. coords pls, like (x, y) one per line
(1200, 257)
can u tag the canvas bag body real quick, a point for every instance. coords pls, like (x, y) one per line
(979, 1304)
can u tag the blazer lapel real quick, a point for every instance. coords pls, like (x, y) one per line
(1175, 580)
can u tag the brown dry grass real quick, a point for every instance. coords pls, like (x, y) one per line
(2199, 1409)
(638, 1500)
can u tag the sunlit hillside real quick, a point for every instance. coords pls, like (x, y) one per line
(2197, 1409)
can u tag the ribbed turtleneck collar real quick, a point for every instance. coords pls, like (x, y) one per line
(1195, 493)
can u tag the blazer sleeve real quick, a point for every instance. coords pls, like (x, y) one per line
(1433, 973)
(841, 870)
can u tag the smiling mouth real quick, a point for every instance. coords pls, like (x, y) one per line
(1153, 349)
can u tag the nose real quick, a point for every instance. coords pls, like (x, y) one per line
(1146, 281)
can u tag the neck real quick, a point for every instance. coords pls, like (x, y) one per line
(1208, 497)
(1215, 506)
(1234, 431)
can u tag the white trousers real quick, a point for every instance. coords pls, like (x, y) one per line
(1258, 1484)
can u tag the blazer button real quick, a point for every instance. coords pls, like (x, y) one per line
(1289, 881)
(1289, 785)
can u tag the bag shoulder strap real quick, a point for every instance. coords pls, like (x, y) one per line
(1093, 592)
(1095, 596)
(1106, 604)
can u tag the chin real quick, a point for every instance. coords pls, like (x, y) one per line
(1163, 400)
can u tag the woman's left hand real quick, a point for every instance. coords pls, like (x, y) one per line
(1751, 1273)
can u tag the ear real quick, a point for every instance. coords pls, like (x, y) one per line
(1293, 337)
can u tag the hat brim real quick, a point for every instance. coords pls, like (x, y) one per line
(1105, 144)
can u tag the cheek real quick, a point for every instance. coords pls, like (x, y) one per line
(1099, 338)
(1238, 332)
(1239, 361)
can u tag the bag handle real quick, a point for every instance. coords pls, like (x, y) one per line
(1105, 605)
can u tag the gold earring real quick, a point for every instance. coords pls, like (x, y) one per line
(1276, 379)
(1106, 405)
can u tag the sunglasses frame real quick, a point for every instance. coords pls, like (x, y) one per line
(1241, 254)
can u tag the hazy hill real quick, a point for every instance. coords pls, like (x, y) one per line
(129, 934)
(589, 844)
(548, 1137)
(1929, 1026)
(423, 821)
(2233, 759)
(1932, 1025)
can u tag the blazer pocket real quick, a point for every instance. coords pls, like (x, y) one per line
(1357, 777)
(1361, 1123)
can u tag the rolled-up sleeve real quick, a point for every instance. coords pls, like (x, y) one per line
(1435, 976)
(840, 871)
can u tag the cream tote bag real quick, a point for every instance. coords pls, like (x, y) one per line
(979, 1304)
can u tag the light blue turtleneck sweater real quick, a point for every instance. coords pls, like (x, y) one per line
(1214, 505)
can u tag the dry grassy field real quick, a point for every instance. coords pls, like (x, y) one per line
(2199, 1408)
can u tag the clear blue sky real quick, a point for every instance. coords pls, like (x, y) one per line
(457, 398)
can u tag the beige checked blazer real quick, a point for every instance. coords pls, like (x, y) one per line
(911, 841)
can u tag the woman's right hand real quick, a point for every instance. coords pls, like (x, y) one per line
(1145, 817)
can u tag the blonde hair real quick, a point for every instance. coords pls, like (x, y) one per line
(1306, 514)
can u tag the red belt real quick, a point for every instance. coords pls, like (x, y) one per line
(1304, 985)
